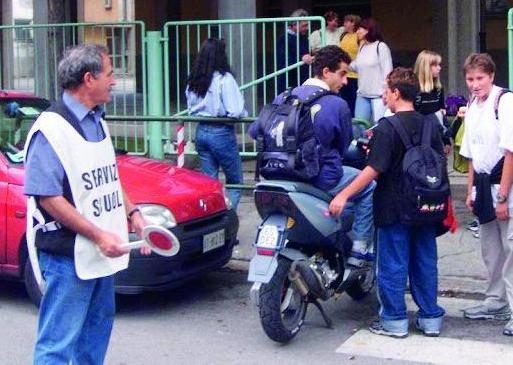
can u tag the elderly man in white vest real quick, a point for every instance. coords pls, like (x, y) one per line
(77, 223)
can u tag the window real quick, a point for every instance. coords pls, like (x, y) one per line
(117, 42)
(23, 34)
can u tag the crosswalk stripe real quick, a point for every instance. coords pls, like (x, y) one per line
(419, 348)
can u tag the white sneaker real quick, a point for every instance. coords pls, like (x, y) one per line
(508, 328)
(473, 226)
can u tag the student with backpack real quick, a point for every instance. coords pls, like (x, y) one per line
(488, 146)
(408, 207)
(289, 152)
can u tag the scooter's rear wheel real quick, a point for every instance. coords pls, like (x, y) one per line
(282, 308)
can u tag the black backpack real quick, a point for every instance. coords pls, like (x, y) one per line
(286, 143)
(424, 187)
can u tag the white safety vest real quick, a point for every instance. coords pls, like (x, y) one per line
(94, 181)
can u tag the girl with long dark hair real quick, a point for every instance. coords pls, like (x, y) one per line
(213, 92)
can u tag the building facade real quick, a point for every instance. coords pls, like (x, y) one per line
(453, 28)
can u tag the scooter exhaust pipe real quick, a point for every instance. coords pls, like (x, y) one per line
(297, 280)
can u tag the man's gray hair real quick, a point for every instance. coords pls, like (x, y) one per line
(77, 61)
(299, 12)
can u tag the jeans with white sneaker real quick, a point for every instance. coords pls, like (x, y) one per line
(75, 316)
(403, 253)
(363, 226)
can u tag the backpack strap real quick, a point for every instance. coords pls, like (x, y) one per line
(317, 94)
(304, 106)
(426, 134)
(398, 127)
(286, 95)
(497, 100)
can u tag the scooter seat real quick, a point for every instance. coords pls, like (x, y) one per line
(294, 186)
(312, 190)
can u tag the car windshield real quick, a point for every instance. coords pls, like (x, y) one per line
(17, 115)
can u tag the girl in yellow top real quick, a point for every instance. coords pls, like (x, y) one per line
(349, 43)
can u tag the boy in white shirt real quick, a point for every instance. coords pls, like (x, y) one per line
(488, 144)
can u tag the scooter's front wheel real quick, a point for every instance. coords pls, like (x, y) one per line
(282, 308)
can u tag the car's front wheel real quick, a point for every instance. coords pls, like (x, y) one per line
(31, 286)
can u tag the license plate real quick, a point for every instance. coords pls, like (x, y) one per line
(213, 240)
(268, 237)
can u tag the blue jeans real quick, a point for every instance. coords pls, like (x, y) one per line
(75, 317)
(371, 109)
(407, 252)
(363, 225)
(217, 147)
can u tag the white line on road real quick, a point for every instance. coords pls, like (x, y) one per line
(427, 349)
(419, 348)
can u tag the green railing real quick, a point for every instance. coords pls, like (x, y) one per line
(31, 54)
(251, 50)
(251, 45)
(135, 136)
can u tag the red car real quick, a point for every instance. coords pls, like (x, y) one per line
(194, 205)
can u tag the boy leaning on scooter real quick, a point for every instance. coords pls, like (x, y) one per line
(403, 251)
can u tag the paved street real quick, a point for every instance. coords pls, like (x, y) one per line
(211, 321)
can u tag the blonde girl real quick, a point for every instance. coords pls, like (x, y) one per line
(431, 96)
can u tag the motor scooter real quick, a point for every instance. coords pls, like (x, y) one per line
(301, 253)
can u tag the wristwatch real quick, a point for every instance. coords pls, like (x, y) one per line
(132, 212)
(501, 198)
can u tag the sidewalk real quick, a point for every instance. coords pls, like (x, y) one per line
(461, 270)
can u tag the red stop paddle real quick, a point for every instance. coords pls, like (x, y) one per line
(161, 241)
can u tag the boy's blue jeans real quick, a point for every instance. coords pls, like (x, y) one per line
(75, 317)
(217, 147)
(363, 226)
(407, 252)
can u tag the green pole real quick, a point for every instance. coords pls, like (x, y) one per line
(155, 92)
(510, 48)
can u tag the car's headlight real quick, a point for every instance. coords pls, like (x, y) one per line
(157, 214)
(227, 200)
